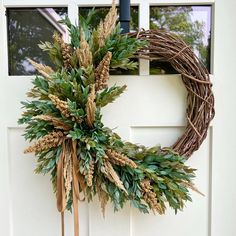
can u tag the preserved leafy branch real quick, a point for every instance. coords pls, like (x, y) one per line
(72, 144)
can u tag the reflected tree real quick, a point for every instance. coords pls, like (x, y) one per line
(26, 29)
(100, 13)
(178, 19)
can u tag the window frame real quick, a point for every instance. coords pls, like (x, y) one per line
(73, 12)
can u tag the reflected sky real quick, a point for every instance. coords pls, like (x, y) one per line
(203, 14)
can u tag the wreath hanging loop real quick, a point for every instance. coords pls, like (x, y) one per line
(86, 158)
(168, 47)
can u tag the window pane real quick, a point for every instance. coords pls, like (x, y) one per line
(192, 23)
(102, 11)
(27, 27)
(100, 15)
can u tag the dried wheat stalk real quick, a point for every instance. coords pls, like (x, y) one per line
(105, 28)
(192, 187)
(48, 141)
(102, 72)
(84, 53)
(62, 106)
(44, 70)
(120, 159)
(111, 174)
(102, 196)
(57, 123)
(90, 174)
(67, 171)
(91, 107)
(66, 51)
(150, 197)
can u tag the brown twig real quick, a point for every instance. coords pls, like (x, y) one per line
(167, 47)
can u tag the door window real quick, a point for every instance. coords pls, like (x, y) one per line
(27, 27)
(192, 23)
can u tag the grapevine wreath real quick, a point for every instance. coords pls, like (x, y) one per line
(86, 158)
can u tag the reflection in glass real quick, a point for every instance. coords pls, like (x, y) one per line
(192, 23)
(100, 14)
(27, 27)
(102, 11)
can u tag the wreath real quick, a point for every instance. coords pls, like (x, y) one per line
(85, 158)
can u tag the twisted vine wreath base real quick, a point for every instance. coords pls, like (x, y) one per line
(86, 158)
(167, 47)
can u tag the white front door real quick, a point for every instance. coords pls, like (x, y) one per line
(150, 112)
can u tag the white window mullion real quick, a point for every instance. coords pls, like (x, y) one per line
(73, 12)
(144, 12)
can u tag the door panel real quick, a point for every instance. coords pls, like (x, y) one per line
(31, 195)
(33, 204)
(150, 112)
(224, 148)
(157, 118)
(184, 222)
